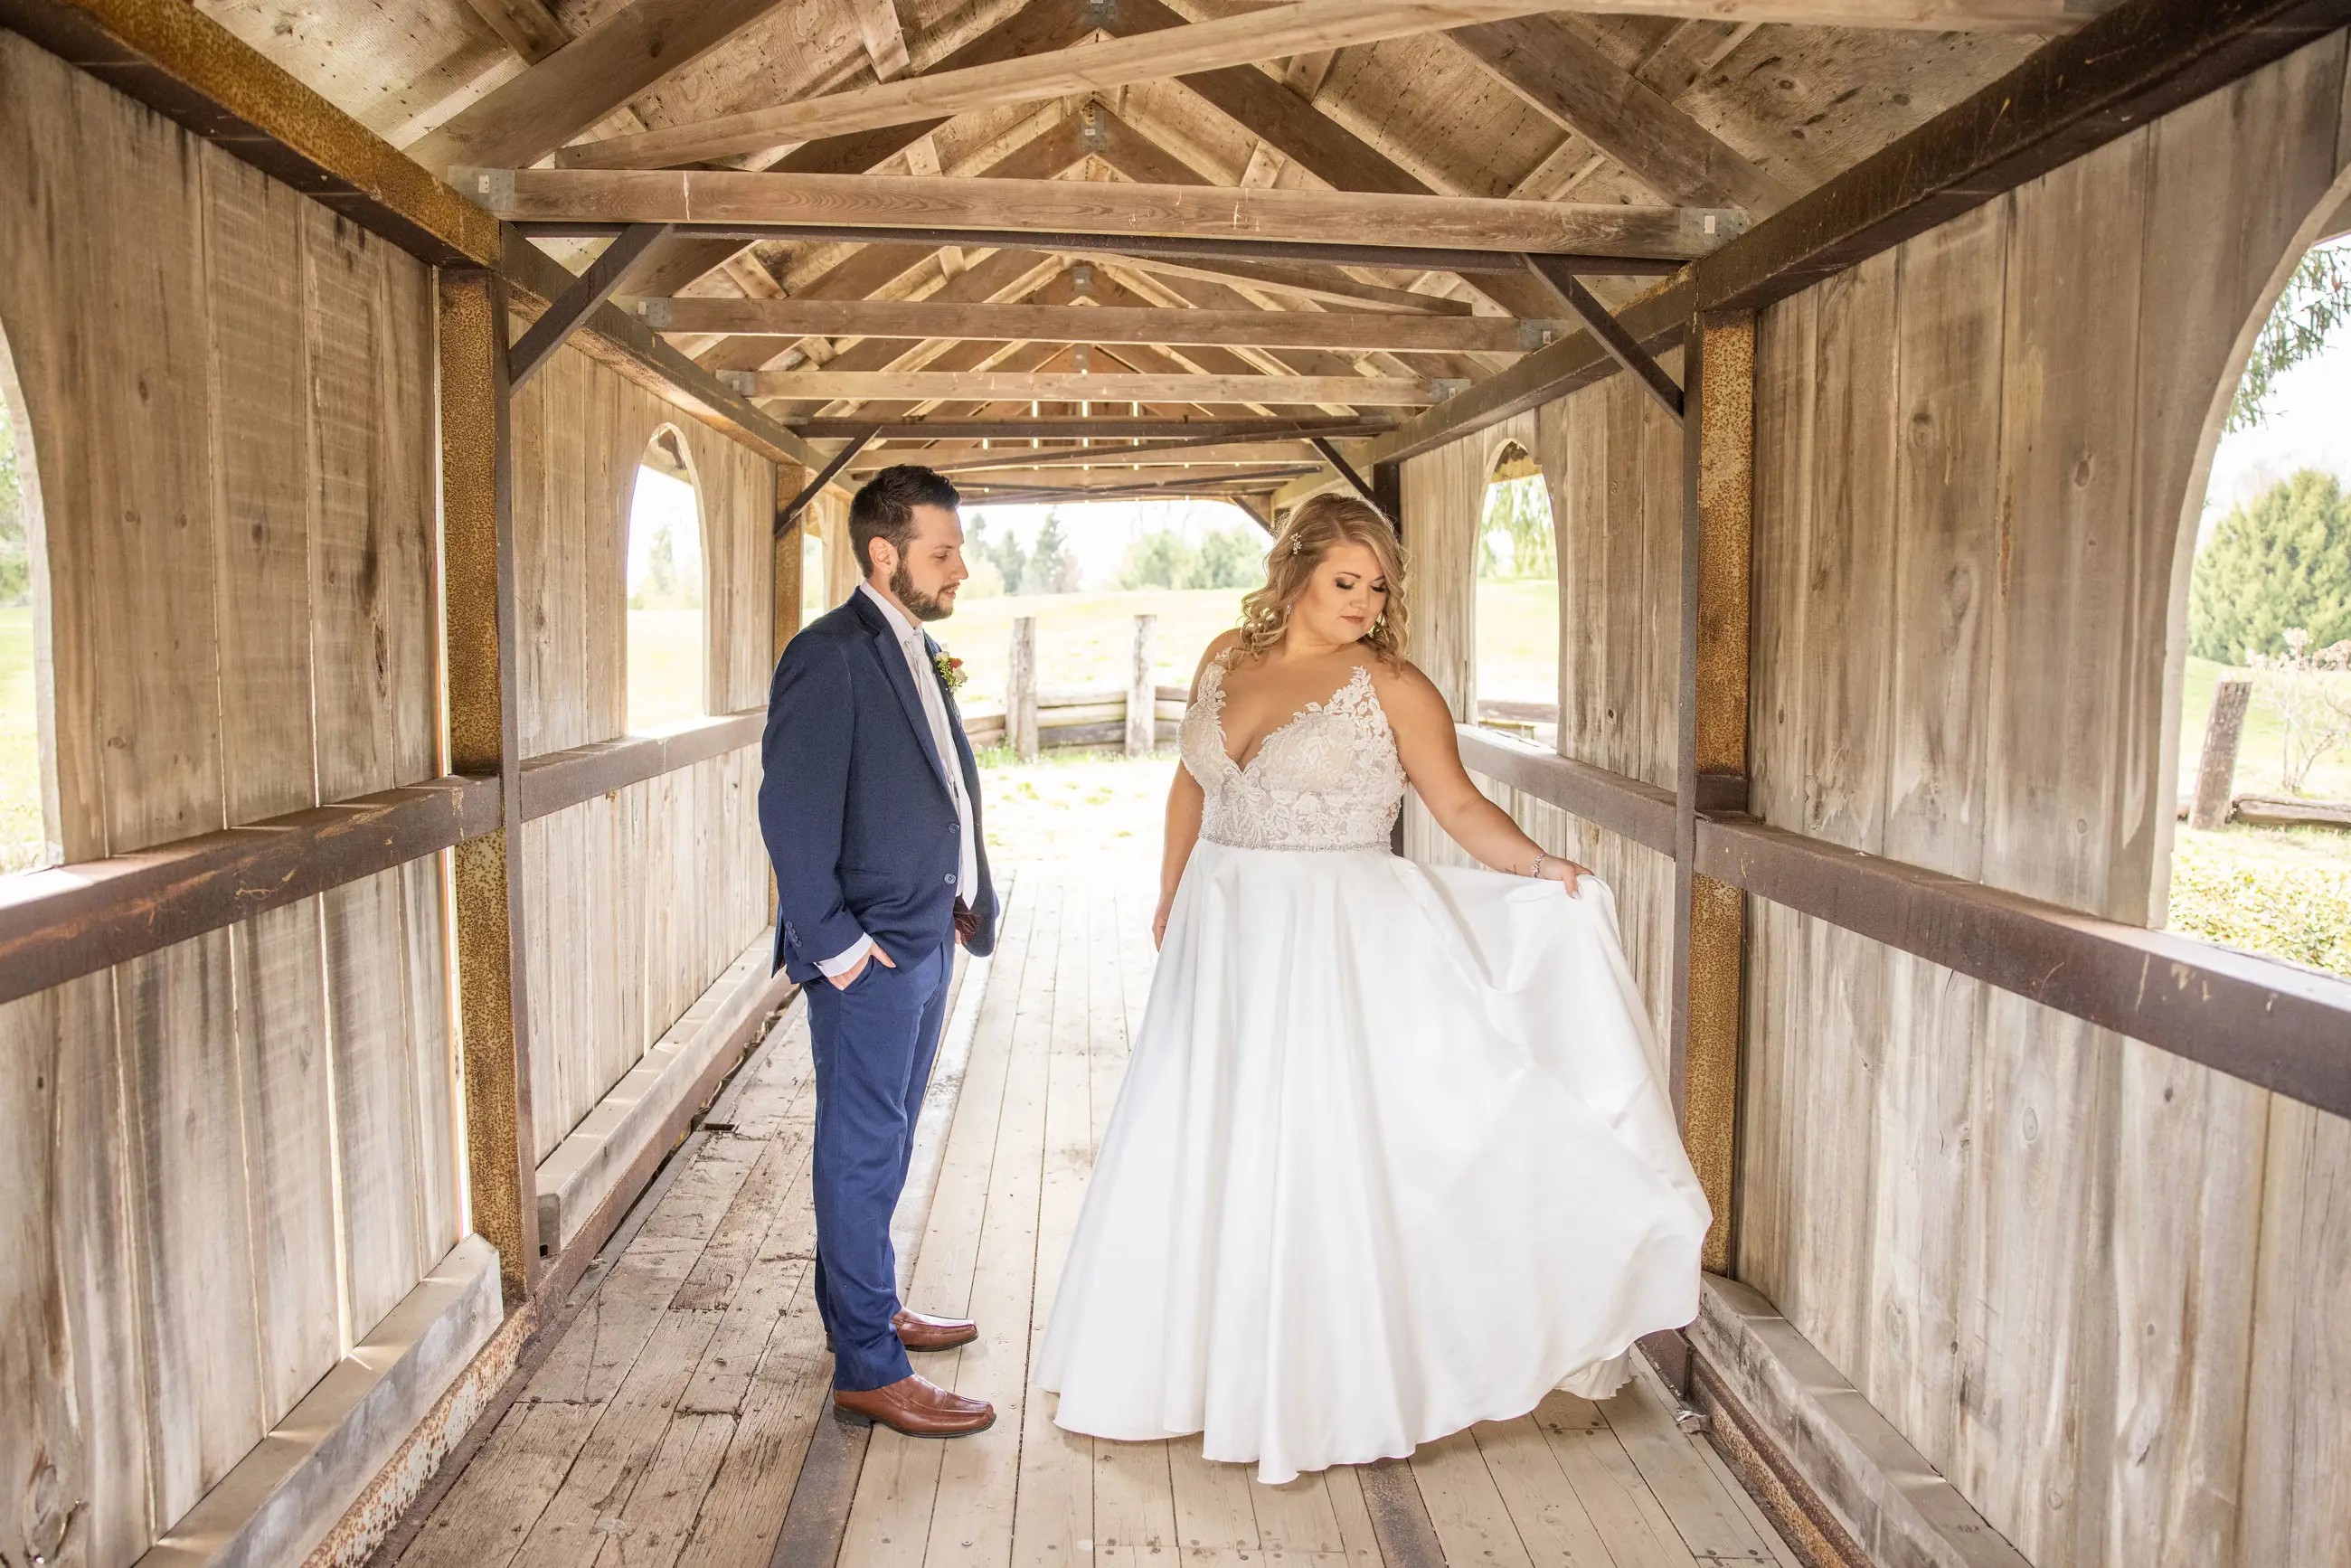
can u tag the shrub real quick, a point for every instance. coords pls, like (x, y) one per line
(2225, 889)
(2284, 561)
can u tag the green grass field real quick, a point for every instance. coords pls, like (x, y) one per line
(2260, 755)
(664, 669)
(21, 839)
(1518, 640)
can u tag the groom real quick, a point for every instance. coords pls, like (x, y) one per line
(870, 805)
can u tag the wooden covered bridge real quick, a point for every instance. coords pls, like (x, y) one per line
(403, 1144)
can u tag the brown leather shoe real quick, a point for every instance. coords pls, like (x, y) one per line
(916, 1406)
(918, 1331)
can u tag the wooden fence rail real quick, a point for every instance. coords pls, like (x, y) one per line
(2271, 1023)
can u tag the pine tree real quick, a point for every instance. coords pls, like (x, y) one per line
(2284, 561)
(1052, 567)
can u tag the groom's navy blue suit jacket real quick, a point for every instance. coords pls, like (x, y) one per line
(854, 804)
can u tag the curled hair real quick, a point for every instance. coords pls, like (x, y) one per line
(1319, 525)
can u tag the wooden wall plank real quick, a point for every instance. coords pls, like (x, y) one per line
(1947, 409)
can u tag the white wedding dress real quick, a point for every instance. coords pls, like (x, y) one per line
(1391, 1157)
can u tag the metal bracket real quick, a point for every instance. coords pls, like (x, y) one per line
(1089, 126)
(1693, 1422)
(1620, 344)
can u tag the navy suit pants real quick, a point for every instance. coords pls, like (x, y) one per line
(873, 1045)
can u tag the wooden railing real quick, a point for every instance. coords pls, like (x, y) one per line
(2271, 1023)
(69, 921)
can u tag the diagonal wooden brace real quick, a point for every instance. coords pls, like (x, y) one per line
(598, 283)
(1620, 344)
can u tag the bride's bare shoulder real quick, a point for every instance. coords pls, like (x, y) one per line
(1410, 698)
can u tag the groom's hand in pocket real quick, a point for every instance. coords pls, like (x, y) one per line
(848, 977)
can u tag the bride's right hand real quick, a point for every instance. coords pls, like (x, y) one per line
(1159, 923)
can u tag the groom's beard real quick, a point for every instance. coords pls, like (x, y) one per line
(926, 607)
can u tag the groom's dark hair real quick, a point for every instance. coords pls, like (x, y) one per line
(883, 509)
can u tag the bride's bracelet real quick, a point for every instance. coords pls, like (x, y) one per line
(1536, 869)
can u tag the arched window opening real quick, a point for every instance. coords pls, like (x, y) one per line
(665, 629)
(816, 588)
(1518, 601)
(2261, 852)
(28, 799)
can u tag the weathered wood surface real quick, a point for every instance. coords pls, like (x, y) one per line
(2041, 1250)
(673, 1414)
(229, 396)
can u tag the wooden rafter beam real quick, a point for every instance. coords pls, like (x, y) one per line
(968, 457)
(1316, 285)
(599, 71)
(1113, 62)
(1354, 481)
(1059, 208)
(823, 477)
(1293, 126)
(527, 26)
(1560, 71)
(1917, 15)
(932, 317)
(1355, 391)
(1108, 470)
(1040, 25)
(884, 38)
(1109, 427)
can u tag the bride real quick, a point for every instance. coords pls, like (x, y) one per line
(1391, 1156)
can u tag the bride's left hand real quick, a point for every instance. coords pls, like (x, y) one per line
(1555, 869)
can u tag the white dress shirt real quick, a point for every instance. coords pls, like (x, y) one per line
(934, 709)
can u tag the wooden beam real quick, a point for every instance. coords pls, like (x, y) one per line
(1108, 473)
(1620, 344)
(1356, 482)
(1039, 26)
(966, 458)
(1113, 62)
(1709, 948)
(180, 63)
(1564, 74)
(885, 39)
(62, 924)
(1303, 133)
(2134, 63)
(554, 781)
(881, 203)
(1049, 427)
(576, 304)
(482, 674)
(824, 476)
(616, 339)
(599, 71)
(1354, 391)
(1389, 330)
(529, 27)
(1921, 16)
(1314, 285)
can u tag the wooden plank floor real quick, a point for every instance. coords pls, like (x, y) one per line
(670, 1420)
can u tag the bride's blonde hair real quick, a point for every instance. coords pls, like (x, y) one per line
(1319, 525)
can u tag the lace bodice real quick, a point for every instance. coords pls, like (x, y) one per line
(1327, 779)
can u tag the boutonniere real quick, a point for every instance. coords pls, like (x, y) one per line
(950, 671)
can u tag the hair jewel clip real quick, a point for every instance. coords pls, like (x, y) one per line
(1293, 544)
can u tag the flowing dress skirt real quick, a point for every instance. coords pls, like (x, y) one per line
(1392, 1157)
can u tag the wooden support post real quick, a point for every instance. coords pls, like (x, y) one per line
(1387, 493)
(2215, 776)
(1612, 336)
(1141, 689)
(1709, 916)
(790, 547)
(478, 632)
(1021, 694)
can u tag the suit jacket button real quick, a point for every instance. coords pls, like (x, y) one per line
(950, 879)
